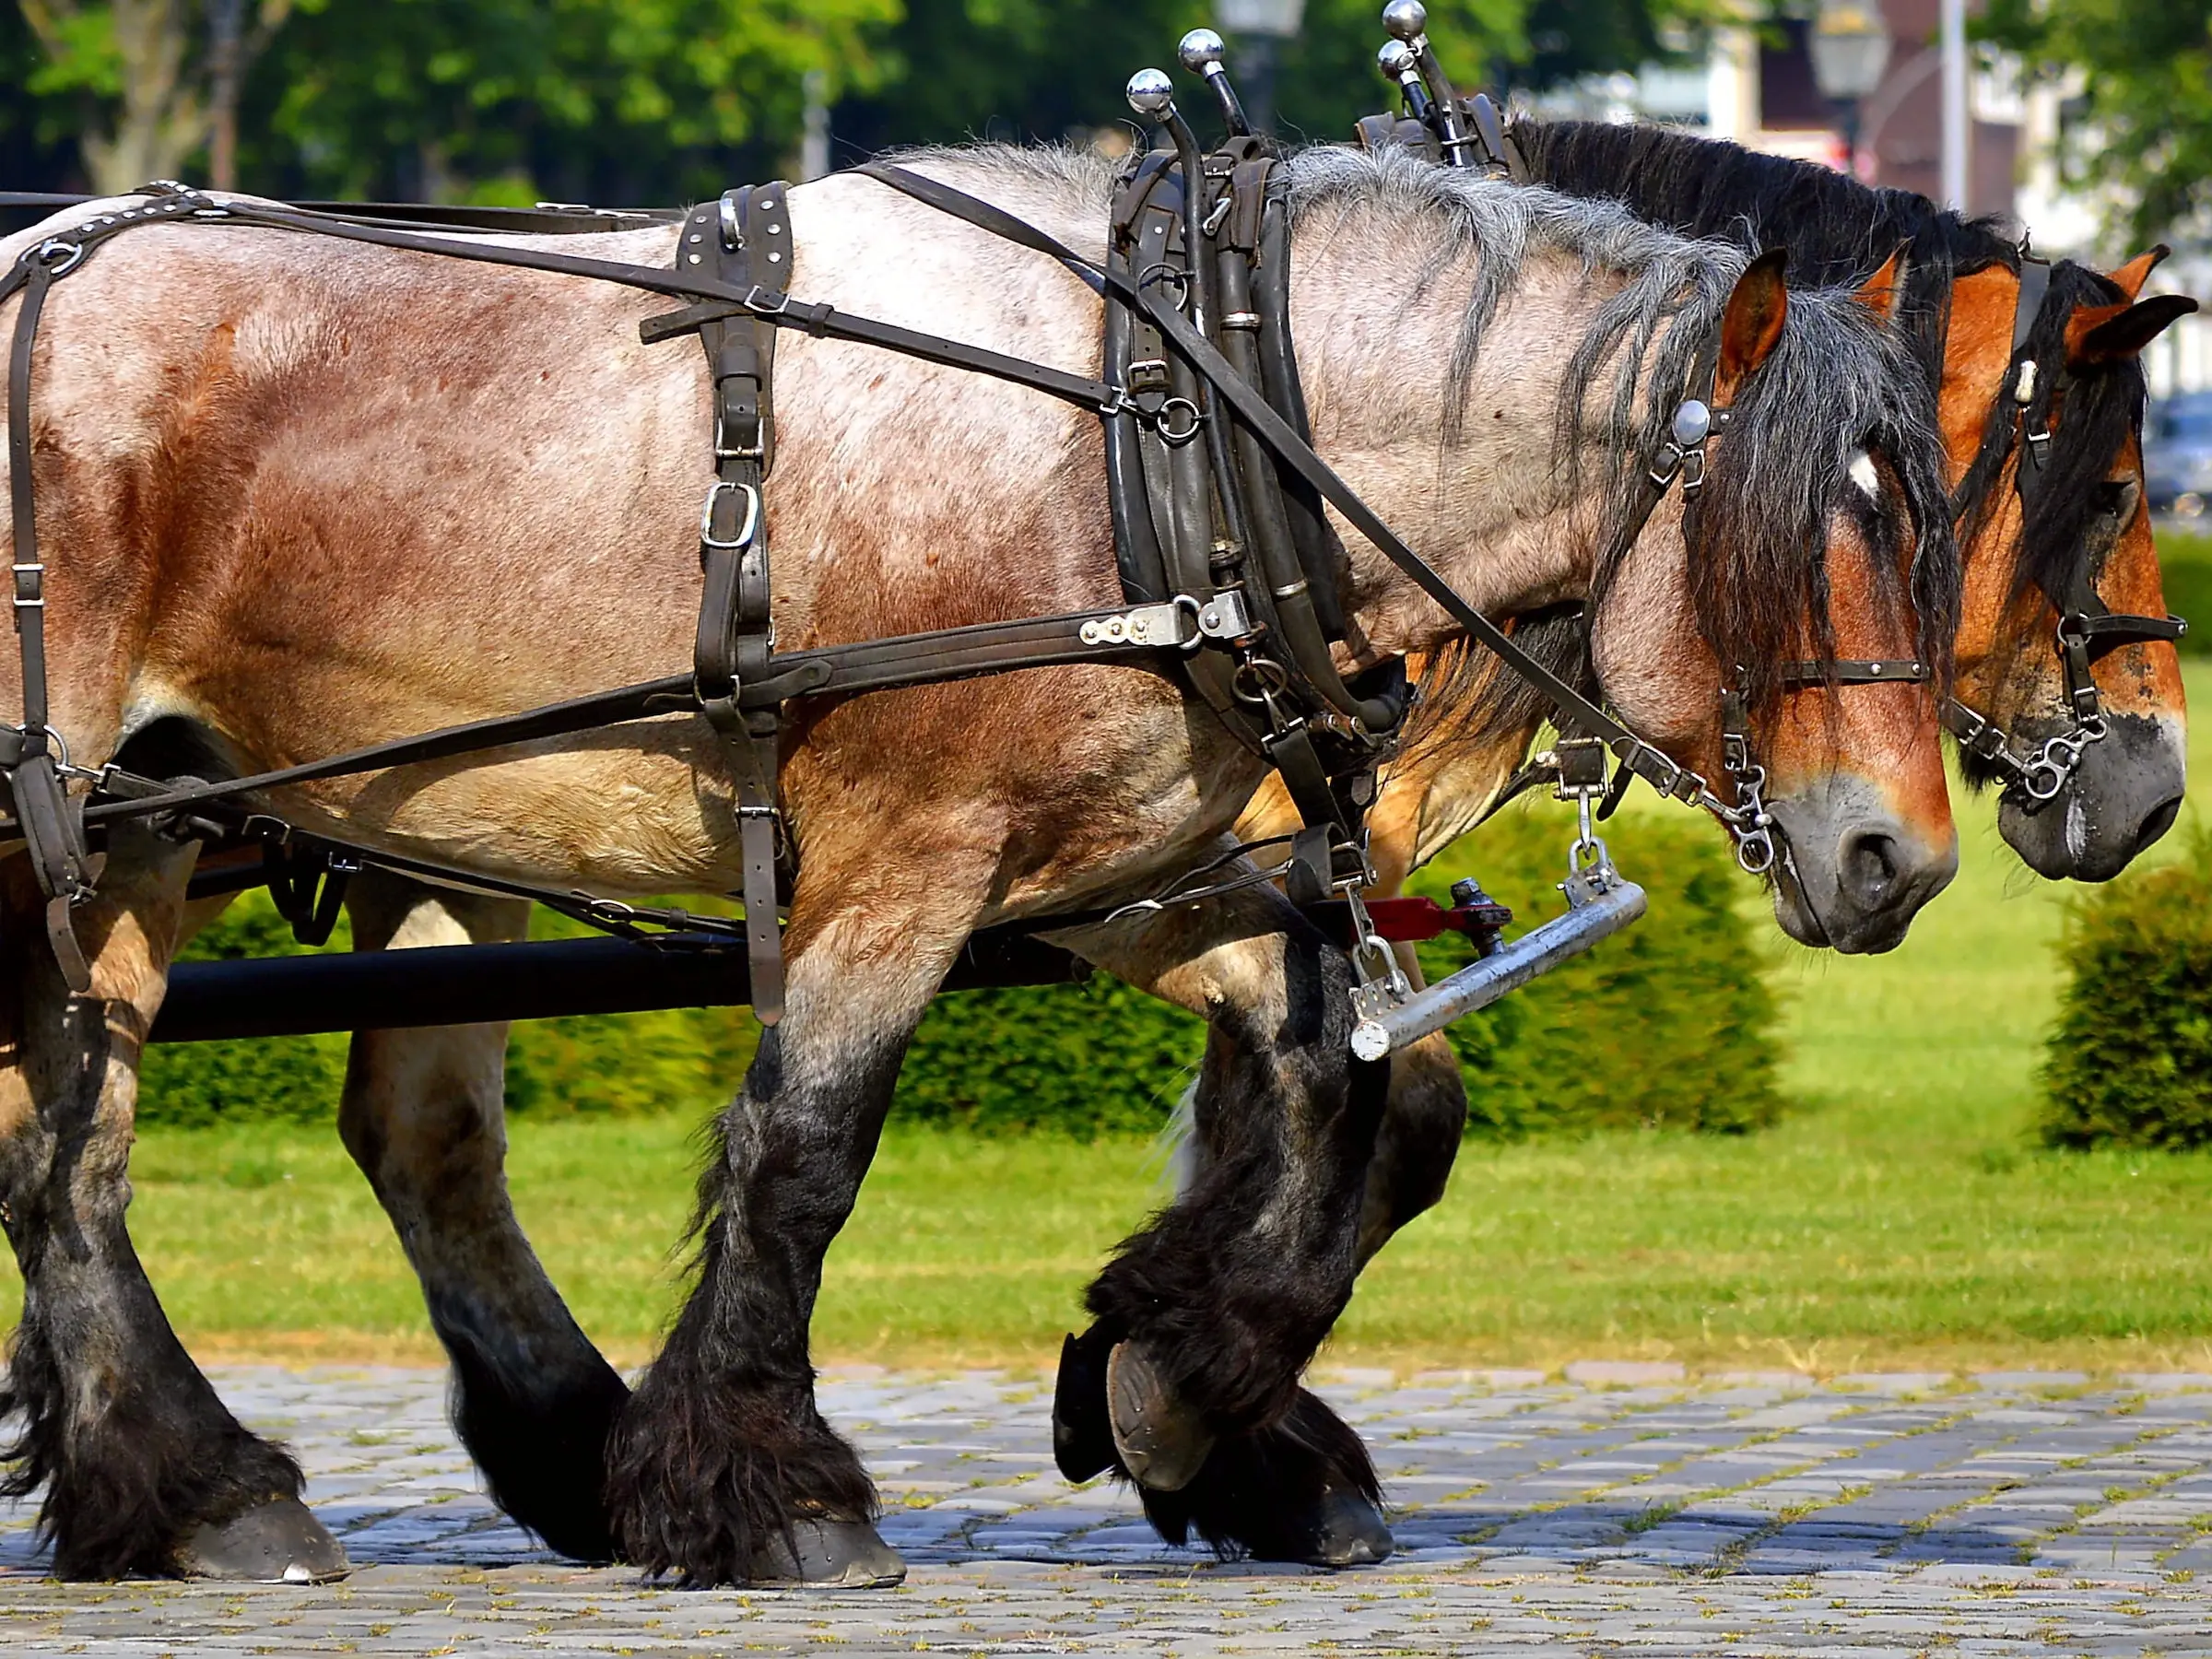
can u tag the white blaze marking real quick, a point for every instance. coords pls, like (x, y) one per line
(1865, 477)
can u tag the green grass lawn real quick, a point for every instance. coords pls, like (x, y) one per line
(1901, 1215)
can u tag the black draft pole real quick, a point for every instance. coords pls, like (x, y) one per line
(475, 984)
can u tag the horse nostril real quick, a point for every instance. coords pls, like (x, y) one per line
(2161, 820)
(1869, 866)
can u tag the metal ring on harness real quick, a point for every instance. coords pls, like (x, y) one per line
(1161, 272)
(1179, 434)
(1260, 678)
(71, 254)
(749, 528)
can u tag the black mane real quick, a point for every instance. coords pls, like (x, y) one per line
(1838, 232)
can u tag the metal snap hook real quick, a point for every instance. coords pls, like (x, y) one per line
(1755, 851)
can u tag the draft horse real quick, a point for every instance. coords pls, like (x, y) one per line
(297, 496)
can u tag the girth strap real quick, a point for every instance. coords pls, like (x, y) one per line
(742, 239)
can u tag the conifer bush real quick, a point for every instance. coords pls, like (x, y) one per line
(689, 1060)
(1671, 1023)
(2129, 1060)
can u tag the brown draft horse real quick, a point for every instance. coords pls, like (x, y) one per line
(1957, 287)
(301, 495)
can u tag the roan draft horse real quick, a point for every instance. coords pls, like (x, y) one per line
(297, 495)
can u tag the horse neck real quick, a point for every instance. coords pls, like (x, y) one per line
(1488, 498)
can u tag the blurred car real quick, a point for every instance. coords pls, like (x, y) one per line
(2177, 454)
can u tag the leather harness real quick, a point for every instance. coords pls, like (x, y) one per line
(1229, 566)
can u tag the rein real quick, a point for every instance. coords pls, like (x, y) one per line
(739, 680)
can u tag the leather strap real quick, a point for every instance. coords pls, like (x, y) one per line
(743, 238)
(49, 819)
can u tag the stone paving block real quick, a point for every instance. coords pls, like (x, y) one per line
(1891, 1383)
(1006, 1558)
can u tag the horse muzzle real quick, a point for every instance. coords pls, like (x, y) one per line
(2124, 793)
(1854, 873)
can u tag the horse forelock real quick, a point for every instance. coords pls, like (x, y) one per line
(1838, 387)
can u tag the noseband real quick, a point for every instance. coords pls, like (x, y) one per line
(2086, 629)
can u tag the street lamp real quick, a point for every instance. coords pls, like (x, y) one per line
(1850, 47)
(1261, 27)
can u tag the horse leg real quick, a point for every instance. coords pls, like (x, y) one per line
(1421, 1130)
(423, 1115)
(1187, 1383)
(146, 1470)
(1301, 1489)
(721, 1468)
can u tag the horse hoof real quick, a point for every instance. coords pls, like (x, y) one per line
(1342, 1530)
(830, 1555)
(1162, 1442)
(1082, 1444)
(279, 1542)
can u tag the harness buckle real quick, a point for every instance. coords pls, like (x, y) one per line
(57, 255)
(747, 530)
(1581, 765)
(725, 451)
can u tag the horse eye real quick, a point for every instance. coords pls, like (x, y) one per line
(2115, 500)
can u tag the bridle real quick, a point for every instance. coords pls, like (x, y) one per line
(2088, 629)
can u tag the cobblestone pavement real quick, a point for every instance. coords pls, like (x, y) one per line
(1620, 1513)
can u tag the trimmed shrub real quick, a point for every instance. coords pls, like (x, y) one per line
(2129, 1061)
(1671, 1023)
(1092, 1059)
(2185, 561)
(192, 1085)
(683, 1059)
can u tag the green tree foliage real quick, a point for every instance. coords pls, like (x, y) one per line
(654, 100)
(1042, 69)
(2129, 1061)
(2144, 120)
(644, 101)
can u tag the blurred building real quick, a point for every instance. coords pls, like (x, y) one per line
(1759, 88)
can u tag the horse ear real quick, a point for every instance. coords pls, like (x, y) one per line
(1752, 323)
(2131, 276)
(1883, 292)
(2097, 334)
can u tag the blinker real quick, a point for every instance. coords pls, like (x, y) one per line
(1693, 423)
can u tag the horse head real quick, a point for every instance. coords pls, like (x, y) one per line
(1815, 578)
(2048, 433)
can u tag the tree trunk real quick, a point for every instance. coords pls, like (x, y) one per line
(162, 120)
